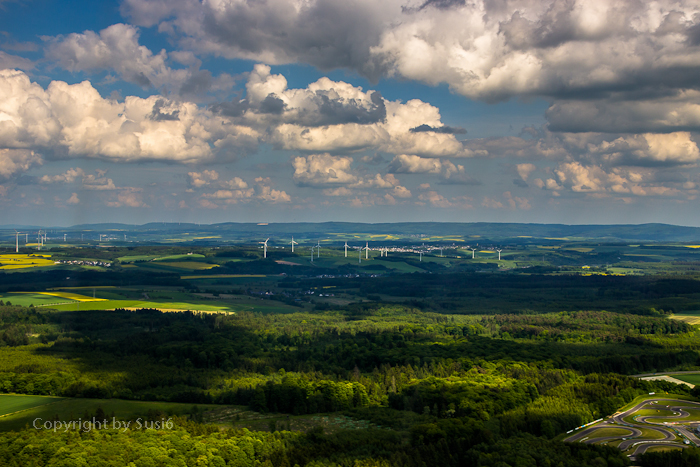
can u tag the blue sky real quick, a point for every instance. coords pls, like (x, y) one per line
(404, 110)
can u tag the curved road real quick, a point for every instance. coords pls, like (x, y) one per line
(642, 448)
(669, 438)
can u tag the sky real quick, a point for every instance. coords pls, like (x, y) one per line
(543, 111)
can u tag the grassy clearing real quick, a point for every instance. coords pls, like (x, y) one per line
(607, 432)
(650, 434)
(74, 409)
(165, 305)
(191, 265)
(36, 299)
(689, 378)
(241, 417)
(232, 306)
(131, 259)
(176, 257)
(688, 317)
(11, 403)
(221, 276)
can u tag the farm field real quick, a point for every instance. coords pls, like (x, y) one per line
(11, 403)
(20, 261)
(132, 304)
(34, 298)
(73, 409)
(688, 317)
(689, 378)
(65, 295)
(251, 304)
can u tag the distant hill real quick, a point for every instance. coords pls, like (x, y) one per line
(485, 230)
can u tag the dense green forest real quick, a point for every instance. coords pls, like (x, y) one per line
(482, 390)
(454, 364)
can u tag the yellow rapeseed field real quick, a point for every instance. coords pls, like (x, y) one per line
(17, 261)
(69, 296)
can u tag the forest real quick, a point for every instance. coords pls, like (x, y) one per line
(444, 367)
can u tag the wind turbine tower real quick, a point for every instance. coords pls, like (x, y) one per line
(366, 250)
(16, 242)
(293, 243)
(264, 248)
(312, 253)
(499, 254)
(420, 256)
(473, 252)
(318, 249)
(346, 249)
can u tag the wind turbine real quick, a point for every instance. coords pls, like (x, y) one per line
(312, 253)
(420, 256)
(318, 249)
(293, 243)
(346, 249)
(499, 254)
(264, 248)
(366, 248)
(473, 252)
(16, 242)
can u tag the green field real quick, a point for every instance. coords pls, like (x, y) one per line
(11, 403)
(73, 409)
(36, 299)
(689, 378)
(245, 304)
(606, 432)
(162, 305)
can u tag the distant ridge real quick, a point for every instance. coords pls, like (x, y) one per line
(491, 230)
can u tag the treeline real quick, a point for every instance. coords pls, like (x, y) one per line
(190, 443)
(496, 293)
(43, 280)
(689, 457)
(453, 391)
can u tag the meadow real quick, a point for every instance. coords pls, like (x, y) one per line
(71, 409)
(11, 403)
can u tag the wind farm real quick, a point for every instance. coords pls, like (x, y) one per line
(279, 287)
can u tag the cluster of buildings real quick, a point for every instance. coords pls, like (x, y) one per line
(86, 263)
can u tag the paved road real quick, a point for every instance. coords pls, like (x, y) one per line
(634, 432)
(666, 431)
(643, 446)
